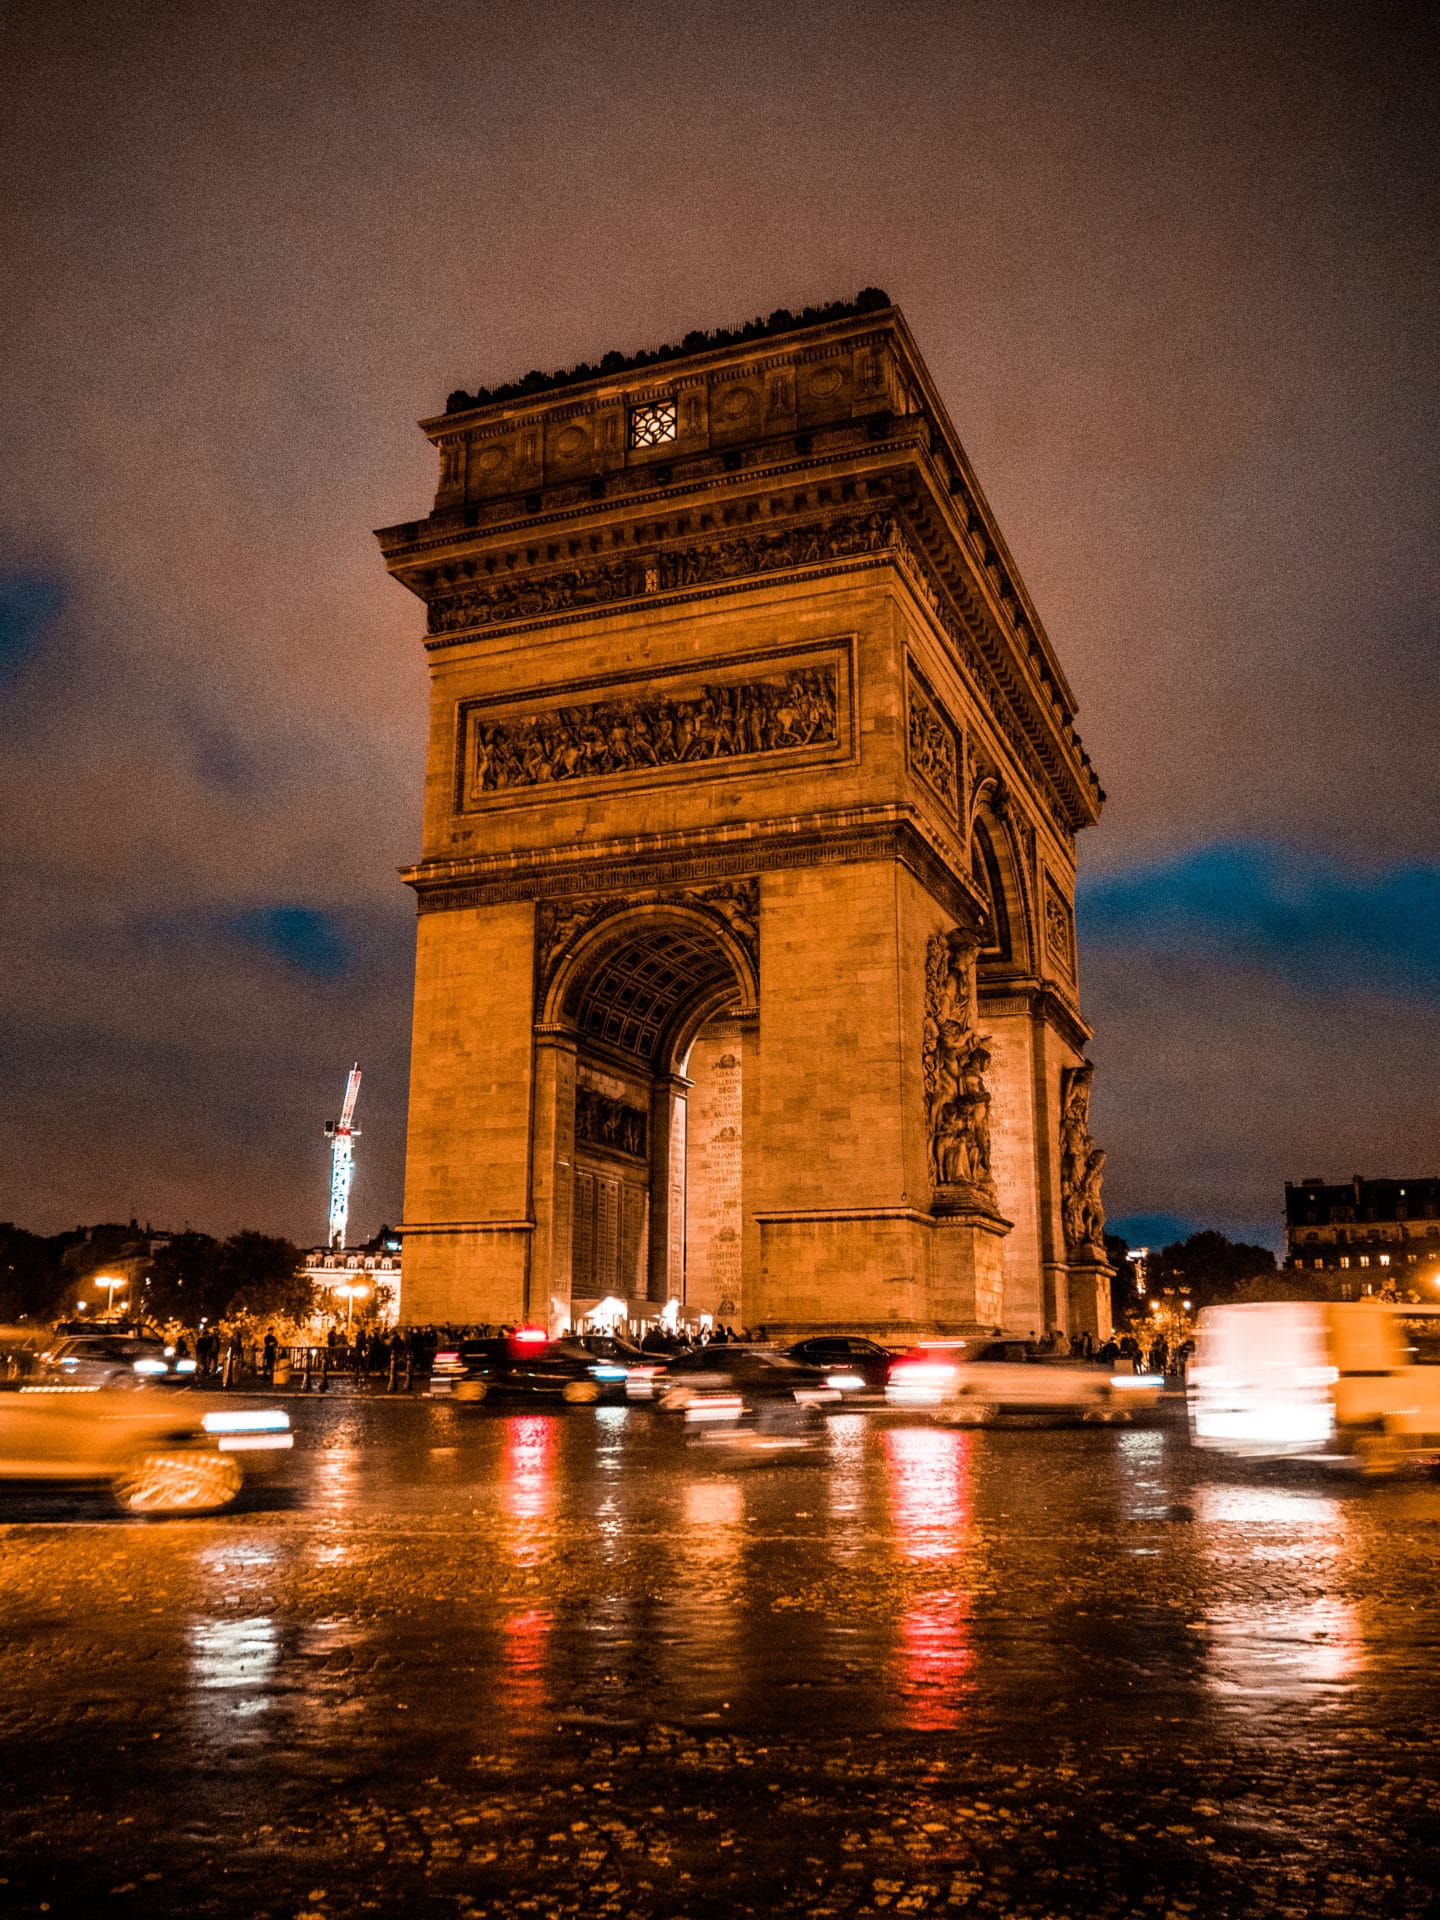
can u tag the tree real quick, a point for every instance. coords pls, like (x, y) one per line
(187, 1280)
(1209, 1269)
(31, 1279)
(265, 1278)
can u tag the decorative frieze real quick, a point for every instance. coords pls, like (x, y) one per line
(495, 603)
(933, 743)
(609, 1124)
(722, 720)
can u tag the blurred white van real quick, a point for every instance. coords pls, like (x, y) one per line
(1352, 1381)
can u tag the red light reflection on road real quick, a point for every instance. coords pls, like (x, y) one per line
(928, 1476)
(928, 1473)
(526, 1637)
(935, 1654)
(527, 1490)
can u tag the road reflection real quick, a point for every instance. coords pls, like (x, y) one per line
(1301, 1644)
(928, 1481)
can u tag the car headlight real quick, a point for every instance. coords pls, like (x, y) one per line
(151, 1366)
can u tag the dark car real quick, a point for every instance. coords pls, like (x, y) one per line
(857, 1368)
(525, 1363)
(613, 1361)
(96, 1359)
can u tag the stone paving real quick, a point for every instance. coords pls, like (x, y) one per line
(549, 1665)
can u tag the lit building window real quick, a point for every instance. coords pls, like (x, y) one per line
(1364, 1259)
(653, 424)
(1344, 1259)
(1384, 1259)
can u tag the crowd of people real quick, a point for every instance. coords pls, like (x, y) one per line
(403, 1357)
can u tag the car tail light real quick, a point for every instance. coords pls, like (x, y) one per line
(530, 1337)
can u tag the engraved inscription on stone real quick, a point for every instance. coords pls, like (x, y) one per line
(701, 722)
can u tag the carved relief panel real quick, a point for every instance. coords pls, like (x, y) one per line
(933, 742)
(1059, 930)
(760, 711)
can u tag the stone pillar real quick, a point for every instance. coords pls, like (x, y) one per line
(552, 1181)
(966, 1281)
(667, 1188)
(1088, 1293)
(467, 1221)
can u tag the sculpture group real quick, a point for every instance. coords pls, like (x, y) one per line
(956, 1059)
(603, 1122)
(624, 736)
(1082, 1167)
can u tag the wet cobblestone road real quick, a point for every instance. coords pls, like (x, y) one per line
(497, 1664)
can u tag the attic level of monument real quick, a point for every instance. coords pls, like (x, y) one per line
(817, 451)
(746, 979)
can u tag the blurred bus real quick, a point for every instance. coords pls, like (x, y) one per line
(1354, 1382)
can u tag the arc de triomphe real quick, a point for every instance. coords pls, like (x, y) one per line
(746, 969)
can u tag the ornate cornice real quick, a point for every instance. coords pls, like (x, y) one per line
(625, 867)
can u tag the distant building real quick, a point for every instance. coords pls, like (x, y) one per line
(1372, 1229)
(375, 1265)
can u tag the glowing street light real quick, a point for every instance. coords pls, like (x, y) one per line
(350, 1291)
(111, 1281)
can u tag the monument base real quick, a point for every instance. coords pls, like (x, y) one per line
(966, 1282)
(1088, 1287)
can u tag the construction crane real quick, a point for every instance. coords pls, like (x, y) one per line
(341, 1134)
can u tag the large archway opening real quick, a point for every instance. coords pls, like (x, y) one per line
(655, 1002)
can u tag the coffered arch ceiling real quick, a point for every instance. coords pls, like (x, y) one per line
(638, 989)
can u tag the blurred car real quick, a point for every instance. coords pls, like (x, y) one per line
(970, 1382)
(614, 1360)
(96, 1359)
(746, 1399)
(155, 1454)
(857, 1368)
(525, 1363)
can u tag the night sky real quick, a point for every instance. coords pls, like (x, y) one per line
(1173, 269)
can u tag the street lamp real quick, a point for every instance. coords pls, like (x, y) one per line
(111, 1281)
(350, 1292)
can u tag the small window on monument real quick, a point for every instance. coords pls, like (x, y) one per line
(653, 424)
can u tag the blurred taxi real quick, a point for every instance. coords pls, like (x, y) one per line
(154, 1453)
(971, 1382)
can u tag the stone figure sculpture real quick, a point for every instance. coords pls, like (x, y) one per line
(1082, 1166)
(955, 1061)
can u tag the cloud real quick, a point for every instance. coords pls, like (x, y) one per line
(1301, 916)
(28, 604)
(1153, 1229)
(306, 938)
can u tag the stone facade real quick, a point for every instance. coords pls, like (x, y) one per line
(744, 736)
